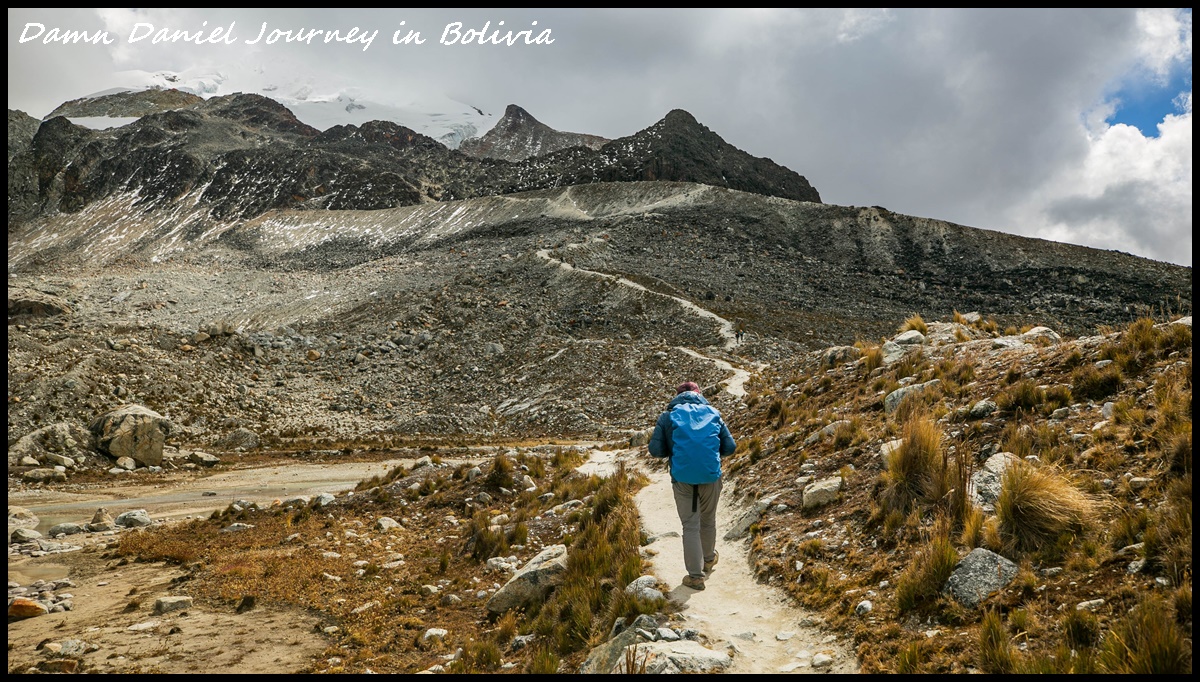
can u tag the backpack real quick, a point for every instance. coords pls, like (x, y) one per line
(695, 443)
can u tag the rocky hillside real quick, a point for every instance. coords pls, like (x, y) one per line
(487, 317)
(518, 136)
(964, 504)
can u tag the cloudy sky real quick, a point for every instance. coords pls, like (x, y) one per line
(1070, 125)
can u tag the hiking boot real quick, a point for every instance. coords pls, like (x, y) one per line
(694, 583)
(708, 565)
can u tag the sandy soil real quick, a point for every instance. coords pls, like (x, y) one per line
(128, 639)
(114, 611)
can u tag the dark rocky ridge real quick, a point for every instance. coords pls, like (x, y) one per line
(136, 103)
(237, 156)
(518, 136)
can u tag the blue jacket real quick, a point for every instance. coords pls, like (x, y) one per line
(661, 440)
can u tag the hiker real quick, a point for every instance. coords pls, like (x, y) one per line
(694, 438)
(740, 334)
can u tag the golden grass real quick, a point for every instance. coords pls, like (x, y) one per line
(927, 574)
(1147, 642)
(1037, 503)
(1023, 396)
(996, 654)
(915, 322)
(872, 358)
(913, 467)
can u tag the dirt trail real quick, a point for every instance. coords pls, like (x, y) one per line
(734, 606)
(768, 632)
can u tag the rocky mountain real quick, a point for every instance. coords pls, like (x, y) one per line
(21, 129)
(518, 136)
(237, 266)
(234, 157)
(125, 103)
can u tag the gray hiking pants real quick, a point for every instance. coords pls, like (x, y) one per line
(697, 507)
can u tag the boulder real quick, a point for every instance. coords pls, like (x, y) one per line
(893, 352)
(837, 355)
(640, 438)
(1041, 335)
(20, 517)
(645, 587)
(532, 582)
(23, 607)
(984, 487)
(43, 475)
(682, 656)
(892, 400)
(748, 518)
(238, 438)
(27, 302)
(203, 459)
(101, 521)
(822, 492)
(169, 604)
(133, 431)
(134, 518)
(24, 535)
(978, 575)
(912, 337)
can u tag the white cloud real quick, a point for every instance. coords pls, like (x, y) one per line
(1165, 39)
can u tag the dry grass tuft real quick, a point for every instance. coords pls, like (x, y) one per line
(927, 574)
(915, 322)
(913, 468)
(996, 655)
(1037, 504)
(1023, 396)
(1147, 642)
(872, 358)
(1090, 383)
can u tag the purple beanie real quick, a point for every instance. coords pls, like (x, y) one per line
(687, 386)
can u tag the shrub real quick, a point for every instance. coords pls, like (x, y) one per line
(915, 322)
(1037, 504)
(501, 473)
(603, 557)
(543, 661)
(911, 657)
(1168, 538)
(1058, 395)
(972, 528)
(1089, 383)
(848, 433)
(1182, 600)
(1147, 642)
